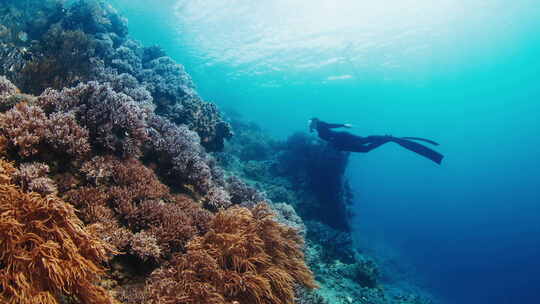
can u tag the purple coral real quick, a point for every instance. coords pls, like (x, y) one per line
(114, 120)
(33, 177)
(242, 193)
(24, 127)
(167, 79)
(64, 133)
(30, 132)
(180, 148)
(129, 85)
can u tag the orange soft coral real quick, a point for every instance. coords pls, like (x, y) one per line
(245, 257)
(45, 252)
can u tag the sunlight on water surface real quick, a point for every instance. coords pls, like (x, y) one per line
(334, 38)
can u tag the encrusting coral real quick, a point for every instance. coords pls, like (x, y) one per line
(245, 257)
(45, 252)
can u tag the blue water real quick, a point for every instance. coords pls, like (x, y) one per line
(464, 74)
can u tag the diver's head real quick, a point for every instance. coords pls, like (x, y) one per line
(312, 124)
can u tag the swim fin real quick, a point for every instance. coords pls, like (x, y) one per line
(422, 139)
(420, 149)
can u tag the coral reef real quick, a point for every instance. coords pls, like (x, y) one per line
(114, 121)
(286, 215)
(246, 257)
(64, 60)
(118, 150)
(69, 45)
(127, 198)
(179, 154)
(311, 164)
(45, 251)
(7, 88)
(32, 177)
(242, 193)
(31, 131)
(337, 244)
(302, 175)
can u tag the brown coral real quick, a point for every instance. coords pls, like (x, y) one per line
(24, 126)
(245, 257)
(173, 224)
(30, 131)
(144, 245)
(45, 251)
(136, 211)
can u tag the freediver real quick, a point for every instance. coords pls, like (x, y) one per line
(345, 141)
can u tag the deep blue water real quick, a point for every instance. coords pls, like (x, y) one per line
(464, 74)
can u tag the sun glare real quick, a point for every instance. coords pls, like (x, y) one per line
(301, 35)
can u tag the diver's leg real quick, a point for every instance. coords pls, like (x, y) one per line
(372, 142)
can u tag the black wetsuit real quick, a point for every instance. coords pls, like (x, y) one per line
(345, 141)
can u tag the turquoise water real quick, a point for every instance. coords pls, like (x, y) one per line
(464, 74)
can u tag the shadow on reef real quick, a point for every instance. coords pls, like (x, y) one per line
(109, 191)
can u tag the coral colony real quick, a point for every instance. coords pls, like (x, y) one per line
(117, 184)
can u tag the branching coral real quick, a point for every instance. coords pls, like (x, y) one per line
(30, 131)
(173, 92)
(87, 40)
(286, 215)
(65, 59)
(218, 198)
(140, 214)
(33, 177)
(24, 126)
(144, 245)
(126, 183)
(246, 257)
(45, 251)
(170, 224)
(127, 84)
(94, 16)
(242, 193)
(180, 153)
(114, 121)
